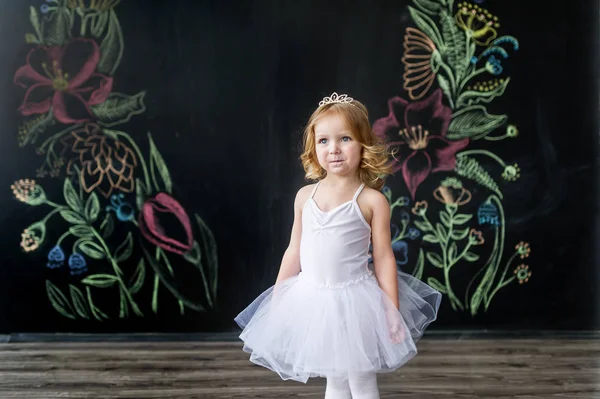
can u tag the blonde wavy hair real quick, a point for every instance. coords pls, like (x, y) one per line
(374, 165)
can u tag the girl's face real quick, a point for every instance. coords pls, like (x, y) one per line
(337, 150)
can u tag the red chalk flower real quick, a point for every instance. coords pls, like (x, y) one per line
(63, 78)
(165, 205)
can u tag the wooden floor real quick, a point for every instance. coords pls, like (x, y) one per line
(474, 368)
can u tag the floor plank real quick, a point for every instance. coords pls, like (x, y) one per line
(471, 368)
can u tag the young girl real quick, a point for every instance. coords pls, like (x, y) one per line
(329, 314)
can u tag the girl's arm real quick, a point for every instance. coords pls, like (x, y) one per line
(290, 263)
(383, 256)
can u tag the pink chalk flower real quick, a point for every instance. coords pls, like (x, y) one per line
(418, 133)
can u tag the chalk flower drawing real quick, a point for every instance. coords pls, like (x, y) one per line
(72, 115)
(455, 48)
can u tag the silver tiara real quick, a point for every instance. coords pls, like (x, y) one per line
(335, 98)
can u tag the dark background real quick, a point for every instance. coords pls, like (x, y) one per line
(231, 83)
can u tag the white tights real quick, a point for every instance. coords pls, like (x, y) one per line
(357, 386)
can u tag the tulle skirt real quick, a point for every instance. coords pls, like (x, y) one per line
(301, 329)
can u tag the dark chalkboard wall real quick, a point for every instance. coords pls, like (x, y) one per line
(224, 88)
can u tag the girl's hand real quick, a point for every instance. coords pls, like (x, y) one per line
(395, 326)
(397, 333)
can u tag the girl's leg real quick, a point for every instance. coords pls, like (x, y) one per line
(337, 388)
(364, 386)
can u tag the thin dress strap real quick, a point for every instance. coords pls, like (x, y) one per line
(358, 192)
(315, 189)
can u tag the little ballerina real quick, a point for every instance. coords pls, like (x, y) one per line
(329, 314)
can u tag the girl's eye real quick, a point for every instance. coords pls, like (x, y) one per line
(346, 138)
(322, 141)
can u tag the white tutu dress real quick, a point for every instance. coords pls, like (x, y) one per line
(333, 319)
